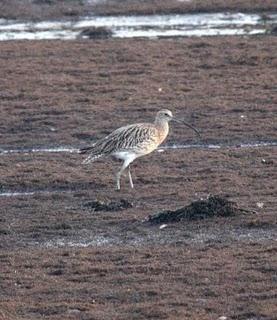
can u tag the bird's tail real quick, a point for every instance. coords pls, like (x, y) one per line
(94, 155)
(86, 150)
(91, 158)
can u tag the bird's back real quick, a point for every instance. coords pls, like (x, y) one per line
(140, 138)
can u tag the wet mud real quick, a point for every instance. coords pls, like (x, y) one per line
(37, 10)
(97, 205)
(75, 248)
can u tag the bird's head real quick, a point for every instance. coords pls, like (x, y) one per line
(164, 115)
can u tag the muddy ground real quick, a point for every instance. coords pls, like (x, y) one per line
(61, 259)
(70, 9)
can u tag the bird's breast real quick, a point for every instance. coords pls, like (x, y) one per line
(162, 133)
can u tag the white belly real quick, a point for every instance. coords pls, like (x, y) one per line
(125, 155)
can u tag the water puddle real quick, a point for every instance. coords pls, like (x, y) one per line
(173, 25)
(40, 150)
(222, 146)
(33, 192)
(68, 149)
(234, 234)
(17, 194)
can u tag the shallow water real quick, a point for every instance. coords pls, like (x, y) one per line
(180, 25)
(17, 194)
(222, 146)
(32, 193)
(68, 149)
(40, 150)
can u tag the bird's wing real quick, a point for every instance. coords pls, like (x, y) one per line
(125, 138)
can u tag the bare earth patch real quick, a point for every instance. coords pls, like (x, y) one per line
(72, 9)
(63, 259)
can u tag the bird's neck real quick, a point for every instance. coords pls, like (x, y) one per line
(163, 128)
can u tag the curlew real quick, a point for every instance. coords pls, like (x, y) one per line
(132, 141)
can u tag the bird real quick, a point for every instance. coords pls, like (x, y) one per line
(131, 142)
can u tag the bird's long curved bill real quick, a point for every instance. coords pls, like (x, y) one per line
(188, 125)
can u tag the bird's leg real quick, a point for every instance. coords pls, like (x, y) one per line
(118, 175)
(130, 177)
(118, 180)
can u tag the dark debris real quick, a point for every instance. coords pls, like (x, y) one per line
(99, 205)
(214, 206)
(96, 33)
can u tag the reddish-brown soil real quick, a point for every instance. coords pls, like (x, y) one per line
(70, 9)
(177, 6)
(57, 93)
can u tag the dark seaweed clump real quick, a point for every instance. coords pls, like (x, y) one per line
(96, 33)
(214, 206)
(99, 205)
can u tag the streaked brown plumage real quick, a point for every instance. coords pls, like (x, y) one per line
(130, 142)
